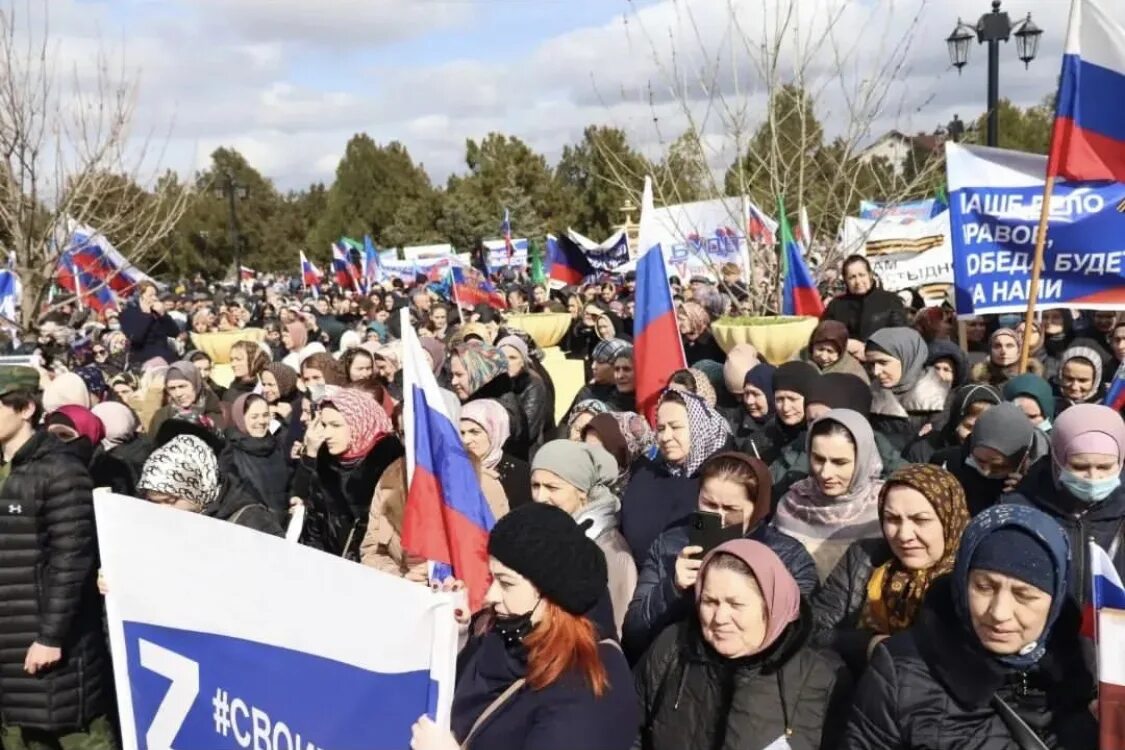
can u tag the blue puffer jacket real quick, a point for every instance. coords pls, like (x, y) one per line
(657, 603)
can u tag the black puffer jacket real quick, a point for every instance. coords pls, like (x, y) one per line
(48, 566)
(931, 688)
(240, 504)
(866, 314)
(693, 698)
(261, 463)
(838, 604)
(339, 498)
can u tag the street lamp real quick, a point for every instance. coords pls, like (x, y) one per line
(233, 191)
(991, 29)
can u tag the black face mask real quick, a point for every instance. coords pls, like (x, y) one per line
(513, 628)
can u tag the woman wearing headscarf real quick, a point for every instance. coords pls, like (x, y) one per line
(600, 385)
(1033, 395)
(627, 437)
(624, 396)
(83, 431)
(737, 488)
(949, 362)
(356, 445)
(828, 350)
(122, 443)
(1045, 366)
(864, 308)
(184, 474)
(484, 432)
(186, 398)
(358, 364)
(541, 668)
(608, 325)
(993, 660)
(695, 330)
(792, 381)
(480, 371)
(905, 395)
(580, 415)
(839, 502)
(1080, 375)
(67, 388)
(741, 359)
(295, 337)
(877, 588)
(528, 387)
(662, 492)
(694, 381)
(1080, 487)
(757, 405)
(247, 360)
(1003, 447)
(257, 455)
(966, 404)
(739, 672)
(1003, 361)
(577, 478)
(279, 388)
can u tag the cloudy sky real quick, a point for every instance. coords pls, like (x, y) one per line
(287, 82)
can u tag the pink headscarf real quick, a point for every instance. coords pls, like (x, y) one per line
(779, 589)
(1087, 428)
(366, 420)
(493, 418)
(299, 334)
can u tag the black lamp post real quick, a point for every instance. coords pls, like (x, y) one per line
(233, 192)
(991, 29)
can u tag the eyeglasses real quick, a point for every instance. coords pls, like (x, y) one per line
(100, 352)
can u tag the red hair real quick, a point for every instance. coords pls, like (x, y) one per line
(561, 642)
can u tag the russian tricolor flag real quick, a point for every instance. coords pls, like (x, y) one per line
(1115, 396)
(1088, 140)
(1104, 619)
(310, 274)
(470, 287)
(799, 293)
(95, 256)
(372, 273)
(89, 290)
(658, 350)
(447, 519)
(342, 272)
(566, 262)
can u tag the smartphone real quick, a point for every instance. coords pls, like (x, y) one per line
(705, 529)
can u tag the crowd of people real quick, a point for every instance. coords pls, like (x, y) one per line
(879, 544)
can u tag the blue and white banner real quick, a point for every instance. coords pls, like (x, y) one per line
(995, 201)
(226, 638)
(496, 254)
(923, 209)
(603, 256)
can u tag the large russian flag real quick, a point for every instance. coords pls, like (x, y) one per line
(1088, 140)
(1104, 620)
(447, 519)
(342, 272)
(657, 346)
(94, 255)
(88, 289)
(799, 293)
(310, 274)
(470, 287)
(566, 262)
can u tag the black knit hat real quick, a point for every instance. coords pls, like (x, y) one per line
(1014, 552)
(544, 545)
(797, 377)
(840, 390)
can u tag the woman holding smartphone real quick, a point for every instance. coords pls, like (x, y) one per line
(733, 501)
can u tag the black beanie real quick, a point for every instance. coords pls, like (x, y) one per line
(1014, 552)
(841, 390)
(797, 377)
(544, 545)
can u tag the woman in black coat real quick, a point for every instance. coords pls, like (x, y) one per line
(740, 672)
(148, 328)
(528, 387)
(257, 456)
(878, 586)
(479, 370)
(663, 492)
(541, 669)
(54, 668)
(864, 308)
(354, 443)
(995, 652)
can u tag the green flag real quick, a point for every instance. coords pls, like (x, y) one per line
(538, 275)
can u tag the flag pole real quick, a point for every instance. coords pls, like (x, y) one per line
(456, 299)
(1036, 269)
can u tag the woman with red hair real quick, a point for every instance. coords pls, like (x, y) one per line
(542, 669)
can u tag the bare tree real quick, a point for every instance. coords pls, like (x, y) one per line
(70, 157)
(789, 102)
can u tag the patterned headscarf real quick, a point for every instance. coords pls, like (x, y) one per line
(895, 592)
(625, 434)
(494, 420)
(482, 362)
(94, 380)
(697, 318)
(709, 431)
(184, 467)
(367, 422)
